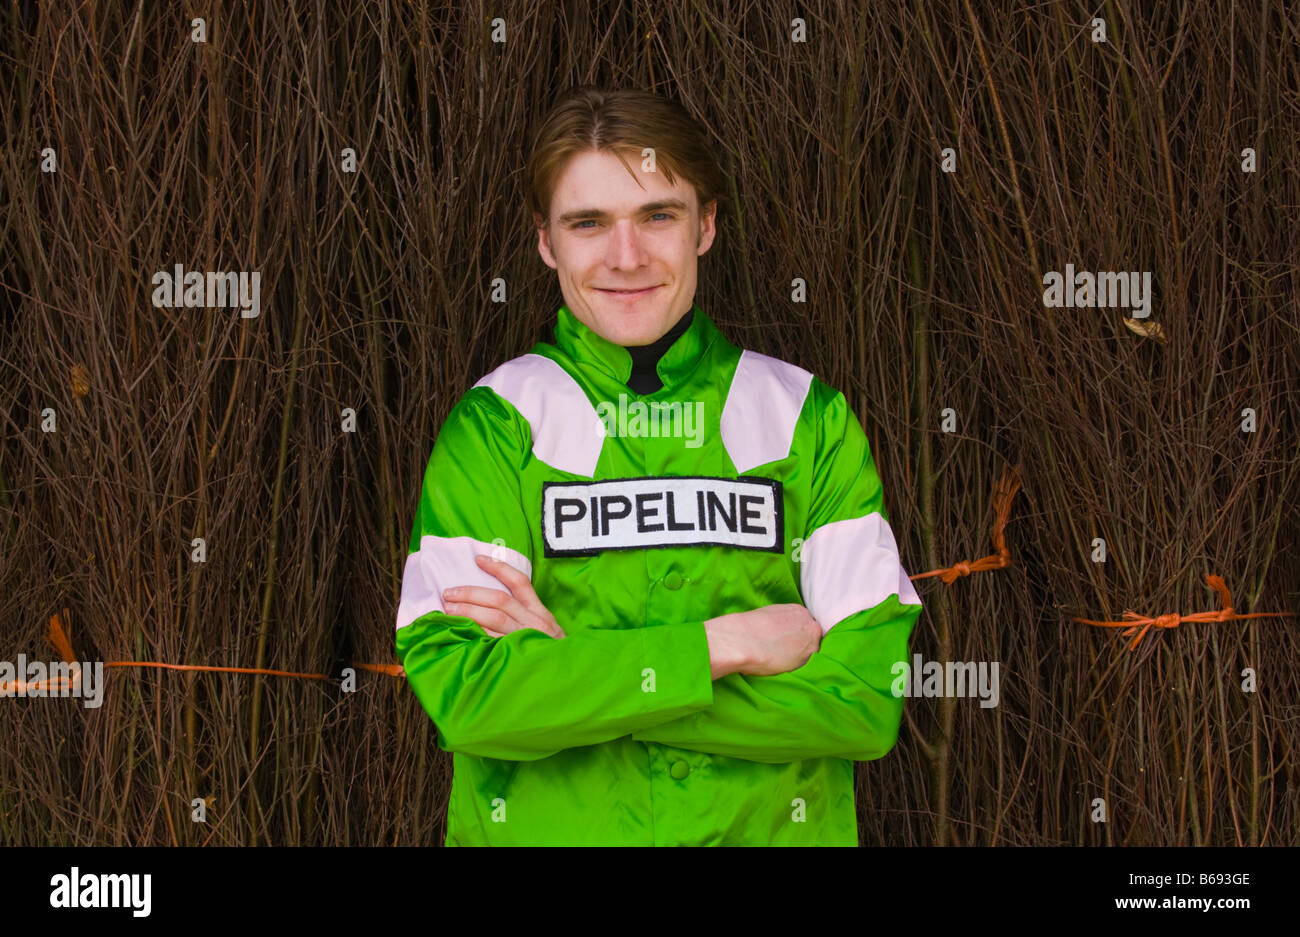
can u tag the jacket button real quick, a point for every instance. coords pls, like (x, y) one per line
(679, 769)
(673, 580)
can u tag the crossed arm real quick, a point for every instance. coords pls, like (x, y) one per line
(764, 641)
(833, 697)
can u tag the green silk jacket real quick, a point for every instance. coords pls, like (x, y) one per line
(744, 481)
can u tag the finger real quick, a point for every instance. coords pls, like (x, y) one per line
(503, 602)
(499, 625)
(483, 616)
(506, 603)
(488, 629)
(521, 587)
(495, 619)
(476, 595)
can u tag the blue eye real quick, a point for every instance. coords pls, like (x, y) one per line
(665, 215)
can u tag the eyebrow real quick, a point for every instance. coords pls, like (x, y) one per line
(596, 214)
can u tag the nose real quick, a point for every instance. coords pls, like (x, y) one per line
(625, 252)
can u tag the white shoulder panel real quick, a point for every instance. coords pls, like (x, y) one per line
(567, 432)
(762, 408)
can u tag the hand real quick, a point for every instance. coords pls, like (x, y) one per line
(763, 641)
(496, 612)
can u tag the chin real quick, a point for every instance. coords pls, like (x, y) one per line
(629, 337)
(625, 327)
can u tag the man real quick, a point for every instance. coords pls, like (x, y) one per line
(652, 595)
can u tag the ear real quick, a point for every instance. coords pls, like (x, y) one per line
(708, 227)
(544, 241)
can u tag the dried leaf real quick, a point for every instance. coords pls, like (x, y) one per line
(80, 380)
(1146, 328)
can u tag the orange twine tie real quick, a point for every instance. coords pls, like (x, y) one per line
(1003, 495)
(1138, 626)
(64, 647)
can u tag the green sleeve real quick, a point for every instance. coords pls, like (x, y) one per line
(840, 703)
(526, 695)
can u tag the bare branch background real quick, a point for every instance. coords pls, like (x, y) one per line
(924, 292)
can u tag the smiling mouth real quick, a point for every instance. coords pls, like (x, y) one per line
(640, 292)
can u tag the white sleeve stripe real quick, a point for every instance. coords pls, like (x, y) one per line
(850, 565)
(444, 562)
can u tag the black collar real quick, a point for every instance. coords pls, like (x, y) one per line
(644, 378)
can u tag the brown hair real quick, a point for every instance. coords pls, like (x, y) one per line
(623, 123)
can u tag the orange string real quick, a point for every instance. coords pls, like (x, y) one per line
(22, 687)
(59, 638)
(393, 670)
(1003, 494)
(1138, 626)
(273, 673)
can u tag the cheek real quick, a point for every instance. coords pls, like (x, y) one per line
(579, 260)
(679, 255)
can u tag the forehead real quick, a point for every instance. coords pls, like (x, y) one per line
(599, 180)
